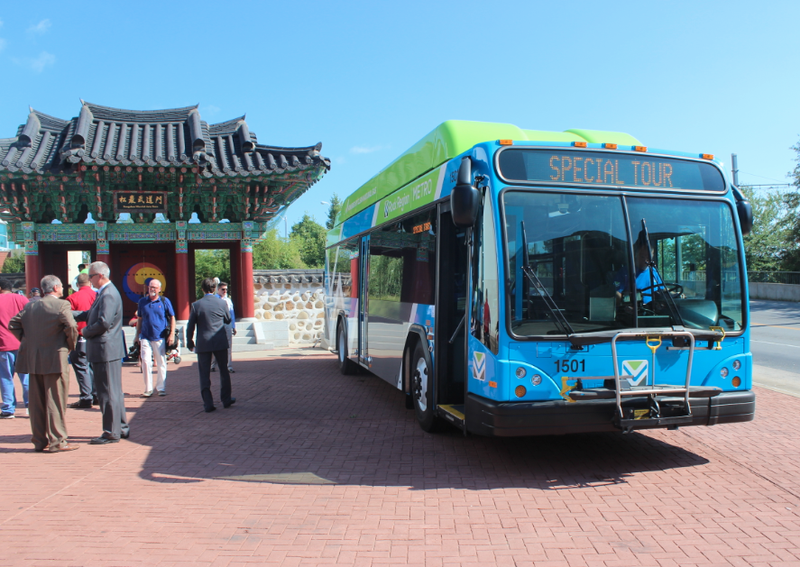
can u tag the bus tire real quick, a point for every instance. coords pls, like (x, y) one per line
(422, 388)
(346, 365)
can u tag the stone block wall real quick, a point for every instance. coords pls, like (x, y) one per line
(294, 296)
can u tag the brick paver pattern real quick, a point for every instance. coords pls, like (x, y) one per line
(310, 467)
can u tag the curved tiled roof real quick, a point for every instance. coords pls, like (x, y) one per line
(101, 135)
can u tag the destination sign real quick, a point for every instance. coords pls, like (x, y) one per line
(609, 169)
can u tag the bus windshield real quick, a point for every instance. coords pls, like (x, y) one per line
(614, 262)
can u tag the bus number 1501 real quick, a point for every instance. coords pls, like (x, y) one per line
(573, 365)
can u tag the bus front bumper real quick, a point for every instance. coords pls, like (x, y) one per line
(557, 417)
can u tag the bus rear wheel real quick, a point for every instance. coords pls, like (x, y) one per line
(422, 389)
(346, 365)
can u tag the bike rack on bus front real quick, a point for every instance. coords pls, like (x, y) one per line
(652, 389)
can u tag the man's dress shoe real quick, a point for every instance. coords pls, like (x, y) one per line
(230, 403)
(81, 404)
(103, 440)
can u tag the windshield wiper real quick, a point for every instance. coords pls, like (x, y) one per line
(674, 313)
(555, 312)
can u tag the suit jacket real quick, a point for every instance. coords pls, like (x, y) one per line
(103, 330)
(48, 333)
(210, 315)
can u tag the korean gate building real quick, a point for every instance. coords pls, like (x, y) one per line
(142, 190)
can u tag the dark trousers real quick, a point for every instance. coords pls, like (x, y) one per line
(108, 381)
(229, 332)
(204, 366)
(83, 371)
(47, 406)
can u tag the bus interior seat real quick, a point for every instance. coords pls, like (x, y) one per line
(603, 302)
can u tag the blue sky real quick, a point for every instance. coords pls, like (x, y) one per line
(368, 79)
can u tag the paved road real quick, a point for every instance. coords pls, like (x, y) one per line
(312, 468)
(775, 345)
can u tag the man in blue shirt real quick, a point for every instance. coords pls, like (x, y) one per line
(647, 277)
(155, 329)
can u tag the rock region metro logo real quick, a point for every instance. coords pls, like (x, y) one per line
(479, 365)
(637, 369)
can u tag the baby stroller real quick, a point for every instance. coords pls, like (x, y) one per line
(133, 353)
(174, 351)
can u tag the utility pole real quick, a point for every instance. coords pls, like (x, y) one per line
(735, 170)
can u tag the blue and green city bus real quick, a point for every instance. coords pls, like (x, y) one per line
(523, 282)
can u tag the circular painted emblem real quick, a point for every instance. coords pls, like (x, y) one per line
(137, 276)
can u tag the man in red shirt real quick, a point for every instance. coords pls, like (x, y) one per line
(82, 300)
(10, 304)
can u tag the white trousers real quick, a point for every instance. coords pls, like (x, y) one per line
(153, 350)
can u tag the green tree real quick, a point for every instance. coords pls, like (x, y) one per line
(792, 201)
(15, 262)
(274, 253)
(333, 210)
(766, 245)
(310, 238)
(211, 264)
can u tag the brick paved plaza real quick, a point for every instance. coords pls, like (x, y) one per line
(314, 468)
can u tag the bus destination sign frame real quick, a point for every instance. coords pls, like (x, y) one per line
(597, 168)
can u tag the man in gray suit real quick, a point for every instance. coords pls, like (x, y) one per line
(210, 315)
(105, 350)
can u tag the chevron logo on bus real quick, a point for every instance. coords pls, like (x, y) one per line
(637, 369)
(479, 365)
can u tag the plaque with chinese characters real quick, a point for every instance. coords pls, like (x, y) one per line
(140, 201)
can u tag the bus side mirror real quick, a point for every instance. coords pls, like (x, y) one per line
(464, 198)
(745, 215)
(744, 210)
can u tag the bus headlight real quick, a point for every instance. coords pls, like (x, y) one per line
(736, 381)
(520, 391)
(521, 372)
(723, 372)
(536, 379)
(737, 364)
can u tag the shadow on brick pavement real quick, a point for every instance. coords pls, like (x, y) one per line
(310, 467)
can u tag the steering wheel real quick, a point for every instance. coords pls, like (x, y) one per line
(674, 289)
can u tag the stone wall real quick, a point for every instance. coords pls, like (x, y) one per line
(774, 291)
(294, 296)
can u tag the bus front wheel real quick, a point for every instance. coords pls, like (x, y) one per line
(346, 365)
(422, 388)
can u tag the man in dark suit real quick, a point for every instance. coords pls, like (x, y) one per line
(82, 300)
(48, 333)
(105, 350)
(210, 315)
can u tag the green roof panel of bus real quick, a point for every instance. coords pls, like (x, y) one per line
(450, 139)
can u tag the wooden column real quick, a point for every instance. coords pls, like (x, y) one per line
(33, 274)
(246, 275)
(184, 289)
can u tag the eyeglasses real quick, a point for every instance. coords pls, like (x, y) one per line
(93, 275)
(223, 289)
